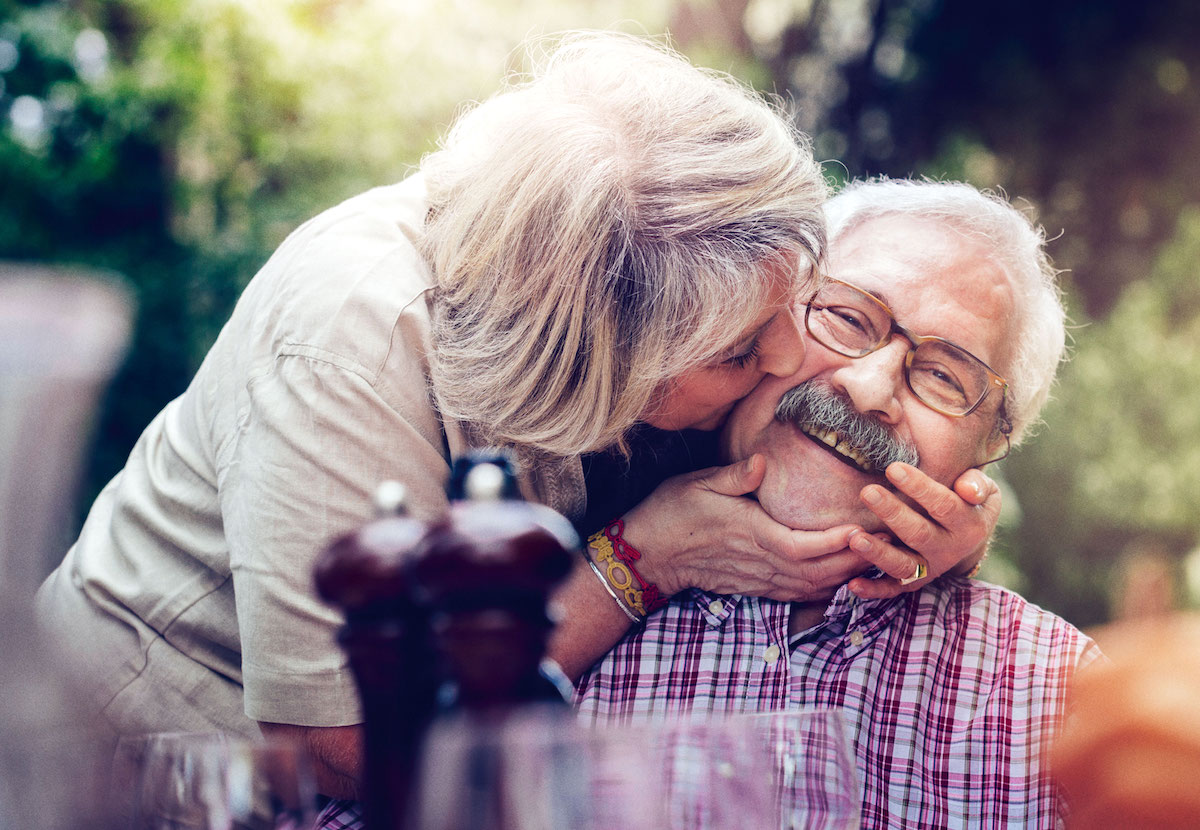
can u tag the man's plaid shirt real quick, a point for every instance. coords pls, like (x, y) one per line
(951, 693)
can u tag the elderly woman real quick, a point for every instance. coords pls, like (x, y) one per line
(597, 259)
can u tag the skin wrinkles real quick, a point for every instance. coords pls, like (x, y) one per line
(938, 282)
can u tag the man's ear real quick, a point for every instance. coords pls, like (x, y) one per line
(998, 443)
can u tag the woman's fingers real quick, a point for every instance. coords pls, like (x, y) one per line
(796, 546)
(904, 570)
(974, 501)
(897, 562)
(976, 487)
(947, 529)
(818, 578)
(735, 479)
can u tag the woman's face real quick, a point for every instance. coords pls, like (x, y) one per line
(771, 345)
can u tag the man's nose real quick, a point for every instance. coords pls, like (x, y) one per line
(782, 345)
(875, 382)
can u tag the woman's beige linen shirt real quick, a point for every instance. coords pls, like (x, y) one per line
(187, 602)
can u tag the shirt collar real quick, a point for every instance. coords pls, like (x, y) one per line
(869, 616)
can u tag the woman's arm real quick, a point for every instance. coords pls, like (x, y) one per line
(697, 530)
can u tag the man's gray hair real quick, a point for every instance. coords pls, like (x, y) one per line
(1016, 244)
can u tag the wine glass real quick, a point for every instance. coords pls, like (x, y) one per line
(781, 769)
(209, 781)
(714, 775)
(816, 783)
(62, 333)
(538, 769)
(535, 769)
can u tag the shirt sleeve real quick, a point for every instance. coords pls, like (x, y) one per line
(315, 441)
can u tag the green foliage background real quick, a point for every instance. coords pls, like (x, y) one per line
(179, 142)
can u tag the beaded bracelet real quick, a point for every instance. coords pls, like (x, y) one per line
(633, 618)
(617, 556)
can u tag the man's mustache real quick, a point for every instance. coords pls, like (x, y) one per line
(817, 404)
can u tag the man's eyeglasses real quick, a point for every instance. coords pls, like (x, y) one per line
(943, 376)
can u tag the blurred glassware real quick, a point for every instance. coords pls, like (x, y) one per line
(716, 774)
(535, 769)
(209, 781)
(818, 782)
(538, 769)
(62, 334)
(780, 769)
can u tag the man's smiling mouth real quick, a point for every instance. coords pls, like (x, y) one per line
(839, 448)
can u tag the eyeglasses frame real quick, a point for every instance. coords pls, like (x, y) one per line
(995, 380)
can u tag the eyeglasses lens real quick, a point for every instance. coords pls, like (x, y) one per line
(854, 324)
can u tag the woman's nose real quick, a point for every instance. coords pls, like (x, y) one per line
(782, 345)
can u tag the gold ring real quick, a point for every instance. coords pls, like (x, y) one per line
(919, 573)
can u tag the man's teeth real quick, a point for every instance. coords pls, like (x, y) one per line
(830, 438)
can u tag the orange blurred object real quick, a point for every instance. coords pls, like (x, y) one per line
(1129, 754)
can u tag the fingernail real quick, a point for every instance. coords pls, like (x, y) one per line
(860, 541)
(871, 495)
(897, 472)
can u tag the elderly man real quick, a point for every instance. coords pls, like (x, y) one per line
(934, 344)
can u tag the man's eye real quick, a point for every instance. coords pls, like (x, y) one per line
(850, 321)
(938, 381)
(849, 318)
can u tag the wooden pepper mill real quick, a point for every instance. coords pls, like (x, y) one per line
(485, 575)
(386, 638)
(450, 616)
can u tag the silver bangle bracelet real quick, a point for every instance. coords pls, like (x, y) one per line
(633, 618)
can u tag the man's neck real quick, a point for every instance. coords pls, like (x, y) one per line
(804, 615)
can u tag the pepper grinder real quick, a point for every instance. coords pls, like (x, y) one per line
(485, 574)
(386, 638)
(450, 618)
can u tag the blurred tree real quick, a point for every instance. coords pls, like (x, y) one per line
(1092, 110)
(84, 177)
(1119, 464)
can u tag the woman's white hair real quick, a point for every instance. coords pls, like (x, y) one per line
(601, 227)
(1016, 244)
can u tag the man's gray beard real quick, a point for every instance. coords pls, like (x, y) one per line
(815, 403)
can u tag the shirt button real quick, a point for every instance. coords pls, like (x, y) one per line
(77, 579)
(771, 654)
(716, 607)
(856, 638)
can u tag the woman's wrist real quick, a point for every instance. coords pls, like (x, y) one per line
(592, 549)
(619, 565)
(644, 530)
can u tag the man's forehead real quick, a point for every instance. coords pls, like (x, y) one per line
(917, 243)
(904, 259)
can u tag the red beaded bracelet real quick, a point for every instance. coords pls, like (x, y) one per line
(618, 556)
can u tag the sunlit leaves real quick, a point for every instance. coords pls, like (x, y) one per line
(1129, 407)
